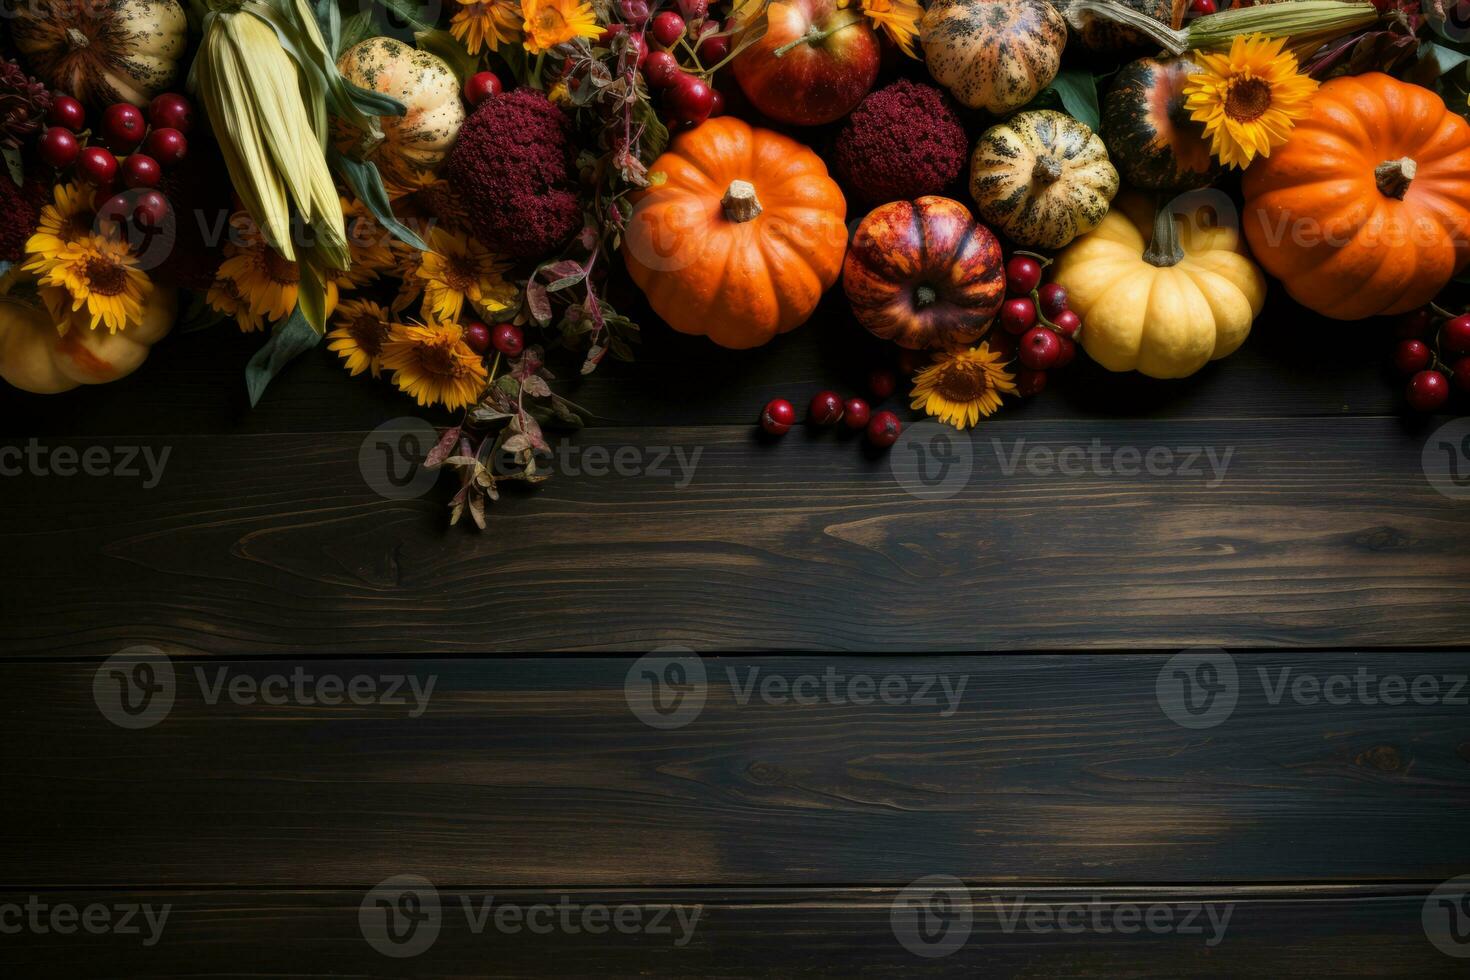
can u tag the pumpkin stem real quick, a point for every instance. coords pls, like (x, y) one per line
(1164, 249)
(1394, 176)
(1047, 170)
(1080, 13)
(76, 40)
(925, 295)
(815, 35)
(740, 202)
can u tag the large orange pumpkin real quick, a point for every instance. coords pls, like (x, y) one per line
(1366, 208)
(740, 236)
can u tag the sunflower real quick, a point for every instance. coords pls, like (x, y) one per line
(552, 22)
(362, 329)
(899, 19)
(961, 387)
(103, 280)
(269, 283)
(457, 269)
(1248, 98)
(406, 262)
(224, 297)
(66, 221)
(367, 245)
(486, 24)
(433, 363)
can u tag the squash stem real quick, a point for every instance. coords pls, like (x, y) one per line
(740, 202)
(1394, 176)
(815, 35)
(1164, 249)
(925, 296)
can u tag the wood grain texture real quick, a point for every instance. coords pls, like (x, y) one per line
(1038, 769)
(759, 933)
(1322, 532)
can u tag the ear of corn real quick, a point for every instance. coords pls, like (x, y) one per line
(1305, 21)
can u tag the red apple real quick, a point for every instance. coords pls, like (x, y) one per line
(814, 64)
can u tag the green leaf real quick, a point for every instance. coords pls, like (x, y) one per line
(655, 134)
(451, 49)
(409, 12)
(14, 164)
(367, 185)
(1078, 91)
(291, 338)
(356, 29)
(1434, 60)
(198, 316)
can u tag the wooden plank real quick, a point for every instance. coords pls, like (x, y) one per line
(1294, 365)
(1319, 533)
(1021, 769)
(770, 933)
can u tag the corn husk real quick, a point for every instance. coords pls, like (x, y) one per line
(1309, 23)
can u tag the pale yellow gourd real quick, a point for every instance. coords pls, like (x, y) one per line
(102, 51)
(1162, 294)
(36, 357)
(422, 137)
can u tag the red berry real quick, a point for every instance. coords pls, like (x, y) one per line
(1052, 299)
(694, 9)
(1023, 274)
(481, 86)
(634, 12)
(881, 383)
(477, 336)
(167, 146)
(1454, 336)
(1201, 7)
(661, 70)
(1029, 382)
(608, 33)
(1462, 374)
(1069, 323)
(1411, 356)
(884, 429)
(1003, 343)
(714, 48)
(508, 339)
(778, 417)
(59, 148)
(97, 166)
(1415, 323)
(1067, 353)
(123, 127)
(667, 28)
(1428, 390)
(1018, 315)
(1040, 348)
(640, 48)
(171, 111)
(113, 215)
(717, 106)
(825, 409)
(141, 170)
(856, 413)
(67, 112)
(690, 99)
(150, 210)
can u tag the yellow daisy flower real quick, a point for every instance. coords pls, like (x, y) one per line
(103, 280)
(362, 330)
(961, 387)
(432, 363)
(552, 22)
(1249, 98)
(224, 297)
(486, 24)
(268, 282)
(460, 269)
(68, 220)
(899, 19)
(406, 262)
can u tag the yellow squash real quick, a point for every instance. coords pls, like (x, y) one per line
(1157, 294)
(35, 357)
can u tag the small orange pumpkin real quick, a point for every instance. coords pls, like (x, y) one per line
(740, 236)
(1365, 210)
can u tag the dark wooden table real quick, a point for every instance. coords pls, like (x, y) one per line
(1020, 626)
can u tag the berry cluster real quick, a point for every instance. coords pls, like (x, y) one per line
(1037, 328)
(506, 338)
(125, 158)
(1433, 348)
(828, 408)
(688, 97)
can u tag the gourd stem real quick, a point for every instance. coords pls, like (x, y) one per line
(1079, 12)
(740, 202)
(1046, 170)
(1394, 176)
(924, 296)
(76, 40)
(815, 35)
(1164, 249)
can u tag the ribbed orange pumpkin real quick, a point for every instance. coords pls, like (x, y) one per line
(741, 237)
(1366, 209)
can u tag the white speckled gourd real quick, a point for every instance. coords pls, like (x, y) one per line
(420, 139)
(1042, 178)
(993, 54)
(103, 51)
